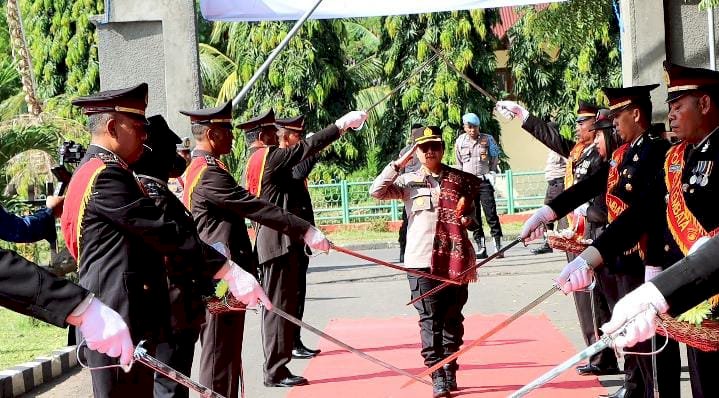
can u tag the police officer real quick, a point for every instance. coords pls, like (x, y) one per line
(154, 169)
(436, 198)
(635, 170)
(114, 232)
(219, 206)
(583, 160)
(682, 207)
(282, 259)
(478, 154)
(29, 289)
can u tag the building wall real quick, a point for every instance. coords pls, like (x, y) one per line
(525, 152)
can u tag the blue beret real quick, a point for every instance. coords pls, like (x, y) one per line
(470, 118)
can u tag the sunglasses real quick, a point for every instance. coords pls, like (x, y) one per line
(434, 146)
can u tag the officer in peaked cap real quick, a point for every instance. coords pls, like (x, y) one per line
(219, 206)
(184, 148)
(283, 259)
(110, 226)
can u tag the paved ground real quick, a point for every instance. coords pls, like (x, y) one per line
(343, 287)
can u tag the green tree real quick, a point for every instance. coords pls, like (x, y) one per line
(555, 68)
(63, 49)
(307, 77)
(437, 95)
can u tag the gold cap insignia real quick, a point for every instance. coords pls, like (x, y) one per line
(427, 132)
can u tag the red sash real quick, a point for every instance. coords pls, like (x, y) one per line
(615, 206)
(78, 195)
(683, 225)
(256, 170)
(192, 177)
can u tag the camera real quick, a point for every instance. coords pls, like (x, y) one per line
(71, 152)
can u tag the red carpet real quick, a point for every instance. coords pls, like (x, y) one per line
(513, 357)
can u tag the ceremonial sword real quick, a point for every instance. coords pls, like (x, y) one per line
(155, 364)
(393, 266)
(488, 334)
(346, 346)
(470, 269)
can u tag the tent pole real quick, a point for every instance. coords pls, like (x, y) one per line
(274, 54)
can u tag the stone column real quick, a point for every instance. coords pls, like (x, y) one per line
(154, 42)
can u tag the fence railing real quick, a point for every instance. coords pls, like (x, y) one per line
(345, 202)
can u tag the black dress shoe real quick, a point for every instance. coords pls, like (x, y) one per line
(620, 393)
(289, 381)
(542, 249)
(304, 353)
(594, 370)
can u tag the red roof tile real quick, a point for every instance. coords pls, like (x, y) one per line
(508, 17)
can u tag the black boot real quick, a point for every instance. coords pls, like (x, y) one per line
(302, 352)
(481, 249)
(498, 245)
(450, 376)
(545, 248)
(439, 384)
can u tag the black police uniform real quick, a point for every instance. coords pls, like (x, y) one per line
(219, 207)
(32, 290)
(282, 259)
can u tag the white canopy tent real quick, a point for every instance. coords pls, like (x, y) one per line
(282, 10)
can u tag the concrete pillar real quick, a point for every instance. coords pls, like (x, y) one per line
(644, 49)
(687, 33)
(154, 42)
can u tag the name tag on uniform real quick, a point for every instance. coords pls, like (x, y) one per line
(675, 168)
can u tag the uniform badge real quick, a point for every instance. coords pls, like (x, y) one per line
(693, 179)
(427, 132)
(636, 157)
(628, 187)
(675, 168)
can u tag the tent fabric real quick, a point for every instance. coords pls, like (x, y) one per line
(283, 10)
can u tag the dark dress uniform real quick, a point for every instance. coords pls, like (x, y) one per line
(282, 259)
(32, 290)
(692, 196)
(638, 171)
(113, 230)
(187, 310)
(219, 207)
(583, 162)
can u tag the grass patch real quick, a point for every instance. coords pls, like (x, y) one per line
(23, 338)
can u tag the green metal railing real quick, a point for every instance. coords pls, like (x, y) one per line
(345, 202)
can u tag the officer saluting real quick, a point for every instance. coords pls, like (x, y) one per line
(110, 226)
(282, 259)
(219, 206)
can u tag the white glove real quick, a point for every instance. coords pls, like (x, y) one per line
(353, 120)
(315, 239)
(511, 109)
(534, 228)
(581, 210)
(576, 275)
(699, 242)
(491, 177)
(242, 284)
(639, 308)
(650, 272)
(105, 331)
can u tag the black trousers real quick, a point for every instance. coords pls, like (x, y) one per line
(554, 188)
(178, 354)
(303, 263)
(403, 233)
(485, 200)
(605, 285)
(702, 371)
(114, 382)
(280, 279)
(221, 359)
(441, 322)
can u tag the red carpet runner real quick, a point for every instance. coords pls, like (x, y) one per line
(513, 357)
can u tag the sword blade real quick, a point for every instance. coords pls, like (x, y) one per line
(601, 344)
(393, 266)
(488, 334)
(470, 269)
(346, 346)
(403, 82)
(155, 364)
(460, 73)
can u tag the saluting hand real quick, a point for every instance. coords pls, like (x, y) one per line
(403, 160)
